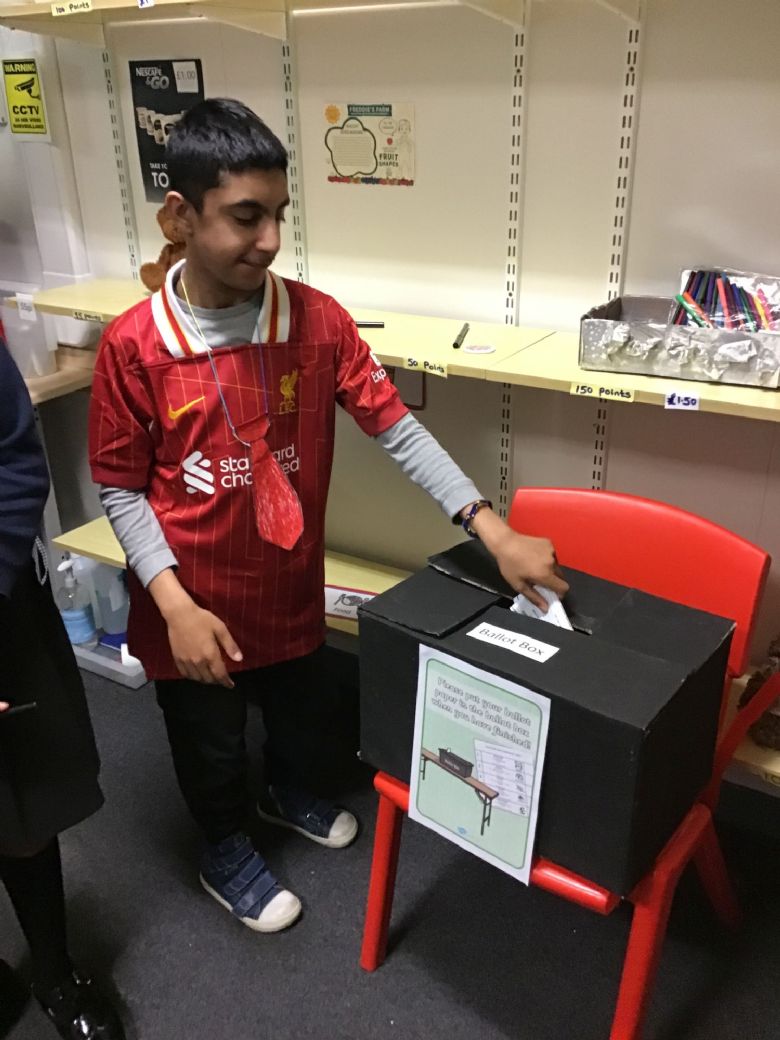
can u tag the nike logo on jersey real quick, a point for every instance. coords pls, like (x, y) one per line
(197, 474)
(174, 413)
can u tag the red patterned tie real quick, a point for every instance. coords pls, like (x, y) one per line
(278, 512)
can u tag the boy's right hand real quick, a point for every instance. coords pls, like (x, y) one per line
(197, 637)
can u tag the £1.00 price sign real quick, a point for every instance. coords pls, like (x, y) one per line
(162, 91)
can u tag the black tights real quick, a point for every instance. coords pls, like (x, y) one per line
(34, 884)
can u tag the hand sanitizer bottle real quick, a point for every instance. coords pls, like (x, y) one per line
(76, 609)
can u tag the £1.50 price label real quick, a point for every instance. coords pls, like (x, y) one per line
(681, 401)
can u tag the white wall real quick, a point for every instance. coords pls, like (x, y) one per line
(708, 163)
(574, 91)
(40, 220)
(20, 260)
(705, 192)
(84, 93)
(438, 247)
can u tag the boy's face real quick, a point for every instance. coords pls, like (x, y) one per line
(236, 236)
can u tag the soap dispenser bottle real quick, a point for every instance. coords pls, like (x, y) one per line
(76, 609)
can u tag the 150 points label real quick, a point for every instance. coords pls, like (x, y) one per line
(601, 393)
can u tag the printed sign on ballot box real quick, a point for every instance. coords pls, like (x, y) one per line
(478, 757)
(162, 93)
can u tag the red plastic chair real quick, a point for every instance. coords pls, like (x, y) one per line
(667, 552)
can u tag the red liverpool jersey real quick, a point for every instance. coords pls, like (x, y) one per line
(157, 424)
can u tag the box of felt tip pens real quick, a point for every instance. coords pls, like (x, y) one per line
(723, 326)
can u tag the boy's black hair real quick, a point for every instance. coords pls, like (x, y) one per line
(216, 136)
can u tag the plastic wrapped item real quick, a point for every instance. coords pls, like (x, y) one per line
(112, 599)
(107, 588)
(71, 332)
(32, 344)
(635, 334)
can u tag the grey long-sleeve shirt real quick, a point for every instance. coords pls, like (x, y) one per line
(407, 442)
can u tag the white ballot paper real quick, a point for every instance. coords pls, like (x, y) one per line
(556, 615)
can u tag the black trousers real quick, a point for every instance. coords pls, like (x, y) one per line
(34, 884)
(206, 730)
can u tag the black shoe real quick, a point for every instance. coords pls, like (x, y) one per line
(13, 998)
(80, 1012)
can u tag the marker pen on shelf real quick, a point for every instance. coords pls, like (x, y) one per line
(458, 342)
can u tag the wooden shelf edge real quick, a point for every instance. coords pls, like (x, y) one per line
(97, 541)
(103, 299)
(370, 567)
(75, 366)
(762, 762)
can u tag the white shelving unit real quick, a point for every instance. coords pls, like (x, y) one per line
(88, 23)
(565, 150)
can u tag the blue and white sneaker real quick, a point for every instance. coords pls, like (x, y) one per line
(237, 876)
(318, 820)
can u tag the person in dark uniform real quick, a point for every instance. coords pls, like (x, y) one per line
(48, 759)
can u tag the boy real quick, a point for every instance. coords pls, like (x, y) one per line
(211, 434)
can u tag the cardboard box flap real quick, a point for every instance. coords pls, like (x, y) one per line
(470, 562)
(591, 602)
(652, 309)
(662, 628)
(429, 603)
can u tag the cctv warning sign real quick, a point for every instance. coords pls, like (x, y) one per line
(26, 112)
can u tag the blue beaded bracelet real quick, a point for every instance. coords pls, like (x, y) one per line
(474, 509)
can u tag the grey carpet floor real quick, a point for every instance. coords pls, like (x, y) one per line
(474, 956)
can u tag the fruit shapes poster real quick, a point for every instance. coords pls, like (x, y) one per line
(370, 144)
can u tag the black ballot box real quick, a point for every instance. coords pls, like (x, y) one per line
(635, 692)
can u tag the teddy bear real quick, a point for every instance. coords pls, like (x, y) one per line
(766, 731)
(153, 274)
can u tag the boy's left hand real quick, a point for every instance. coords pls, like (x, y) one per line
(524, 561)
